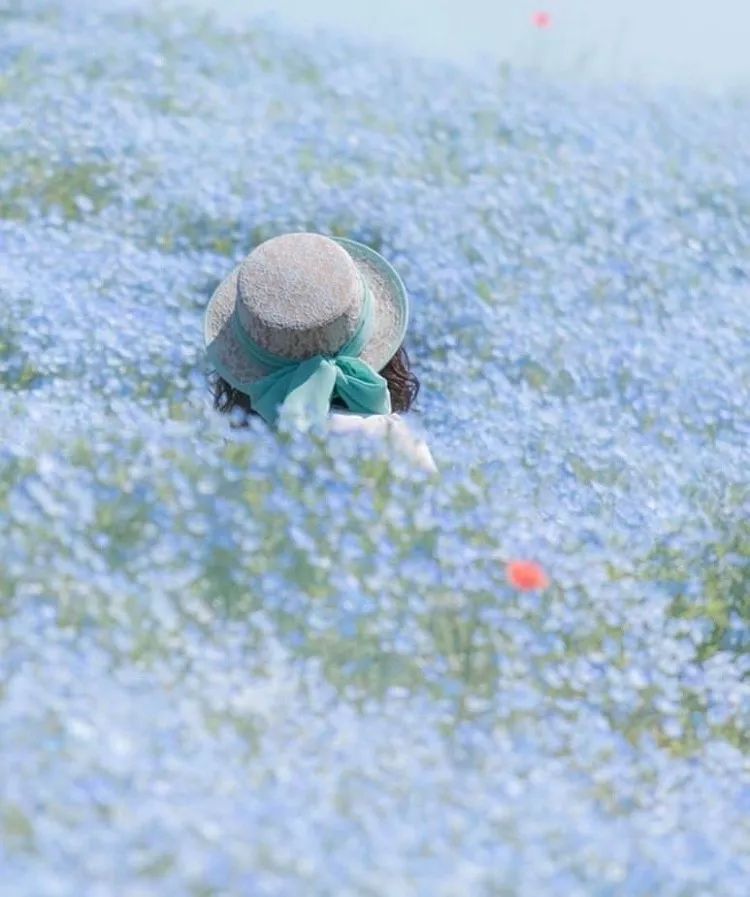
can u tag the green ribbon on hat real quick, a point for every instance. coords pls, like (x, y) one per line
(304, 389)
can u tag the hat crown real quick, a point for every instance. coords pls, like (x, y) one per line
(299, 295)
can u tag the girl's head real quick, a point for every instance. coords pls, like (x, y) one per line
(307, 323)
(403, 387)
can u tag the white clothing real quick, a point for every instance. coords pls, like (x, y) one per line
(390, 426)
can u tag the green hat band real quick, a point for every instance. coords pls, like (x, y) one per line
(304, 389)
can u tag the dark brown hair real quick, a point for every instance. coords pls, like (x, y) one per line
(403, 386)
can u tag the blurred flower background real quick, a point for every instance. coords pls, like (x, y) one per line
(236, 663)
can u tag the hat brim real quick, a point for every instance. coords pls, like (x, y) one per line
(391, 312)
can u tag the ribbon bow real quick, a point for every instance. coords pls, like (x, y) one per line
(304, 389)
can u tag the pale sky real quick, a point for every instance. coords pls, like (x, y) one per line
(703, 42)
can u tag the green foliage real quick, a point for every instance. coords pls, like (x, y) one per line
(74, 190)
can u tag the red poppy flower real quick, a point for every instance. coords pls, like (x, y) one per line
(541, 19)
(526, 575)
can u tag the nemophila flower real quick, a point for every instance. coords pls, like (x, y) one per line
(526, 575)
(251, 647)
(541, 19)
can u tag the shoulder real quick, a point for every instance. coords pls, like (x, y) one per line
(380, 424)
(393, 426)
(349, 422)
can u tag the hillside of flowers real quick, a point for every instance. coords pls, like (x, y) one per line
(238, 663)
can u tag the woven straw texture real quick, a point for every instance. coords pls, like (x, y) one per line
(298, 295)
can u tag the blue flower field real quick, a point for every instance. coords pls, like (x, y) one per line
(236, 663)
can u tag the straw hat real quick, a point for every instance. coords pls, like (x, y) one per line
(303, 295)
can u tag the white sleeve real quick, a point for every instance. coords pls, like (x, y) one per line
(390, 426)
(412, 444)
